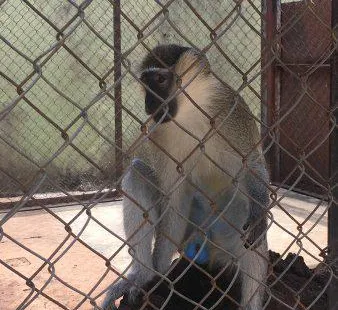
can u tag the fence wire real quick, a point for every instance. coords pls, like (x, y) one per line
(73, 117)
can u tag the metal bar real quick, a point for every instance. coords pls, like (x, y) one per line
(56, 200)
(118, 90)
(333, 211)
(325, 65)
(269, 108)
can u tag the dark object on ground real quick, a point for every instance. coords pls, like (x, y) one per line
(195, 284)
(298, 277)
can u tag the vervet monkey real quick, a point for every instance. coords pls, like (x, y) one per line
(204, 159)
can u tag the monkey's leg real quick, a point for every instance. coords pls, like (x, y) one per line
(141, 267)
(253, 275)
(253, 263)
(140, 213)
(171, 231)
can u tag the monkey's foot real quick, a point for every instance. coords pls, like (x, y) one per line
(115, 291)
(122, 287)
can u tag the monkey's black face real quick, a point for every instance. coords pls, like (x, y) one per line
(161, 82)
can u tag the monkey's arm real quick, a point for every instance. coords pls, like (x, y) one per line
(257, 224)
(140, 214)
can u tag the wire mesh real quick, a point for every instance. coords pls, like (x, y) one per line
(73, 117)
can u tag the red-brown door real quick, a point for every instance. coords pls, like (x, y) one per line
(303, 78)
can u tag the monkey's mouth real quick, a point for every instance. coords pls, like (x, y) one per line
(162, 116)
(165, 114)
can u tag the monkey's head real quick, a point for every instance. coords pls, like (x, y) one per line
(163, 71)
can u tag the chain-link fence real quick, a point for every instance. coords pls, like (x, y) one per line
(73, 116)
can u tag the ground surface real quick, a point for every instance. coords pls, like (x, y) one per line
(81, 268)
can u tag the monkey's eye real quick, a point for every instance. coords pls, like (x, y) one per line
(160, 78)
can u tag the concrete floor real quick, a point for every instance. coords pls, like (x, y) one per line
(81, 268)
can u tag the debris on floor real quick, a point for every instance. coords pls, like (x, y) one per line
(298, 287)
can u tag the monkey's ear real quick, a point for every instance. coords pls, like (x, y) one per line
(192, 61)
(202, 59)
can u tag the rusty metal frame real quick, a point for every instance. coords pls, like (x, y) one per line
(270, 92)
(333, 211)
(118, 90)
(269, 87)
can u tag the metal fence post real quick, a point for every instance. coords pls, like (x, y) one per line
(333, 211)
(118, 90)
(269, 107)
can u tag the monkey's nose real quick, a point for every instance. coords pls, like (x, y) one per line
(160, 78)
